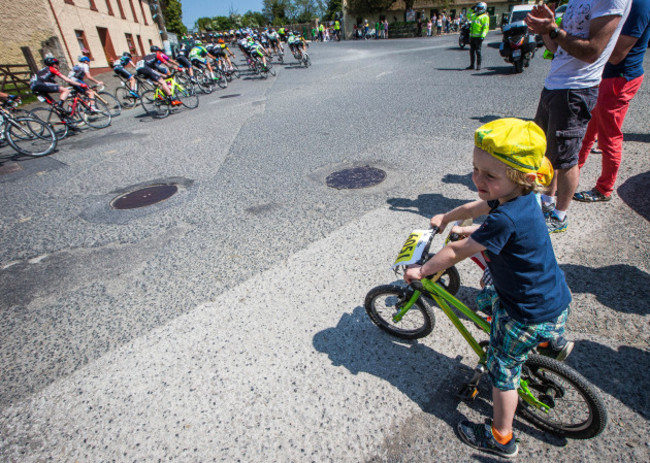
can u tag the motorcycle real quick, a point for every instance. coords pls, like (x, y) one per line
(518, 46)
(463, 38)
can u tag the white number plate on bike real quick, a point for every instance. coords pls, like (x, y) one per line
(41, 98)
(413, 248)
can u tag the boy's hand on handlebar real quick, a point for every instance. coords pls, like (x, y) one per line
(438, 222)
(413, 272)
(464, 232)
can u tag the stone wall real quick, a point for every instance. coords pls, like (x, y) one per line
(24, 23)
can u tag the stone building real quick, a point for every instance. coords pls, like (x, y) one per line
(427, 9)
(102, 29)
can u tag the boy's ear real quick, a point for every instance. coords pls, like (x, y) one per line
(531, 177)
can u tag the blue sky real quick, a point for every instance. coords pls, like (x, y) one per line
(194, 9)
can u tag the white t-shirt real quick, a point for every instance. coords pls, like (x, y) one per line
(569, 72)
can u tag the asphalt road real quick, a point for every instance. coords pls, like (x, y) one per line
(226, 323)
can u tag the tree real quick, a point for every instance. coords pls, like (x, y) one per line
(275, 10)
(204, 24)
(253, 19)
(173, 13)
(333, 7)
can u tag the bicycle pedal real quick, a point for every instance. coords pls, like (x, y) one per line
(467, 393)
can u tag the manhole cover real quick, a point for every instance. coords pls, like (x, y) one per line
(355, 177)
(144, 197)
(234, 95)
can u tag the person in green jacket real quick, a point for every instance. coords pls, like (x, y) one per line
(480, 25)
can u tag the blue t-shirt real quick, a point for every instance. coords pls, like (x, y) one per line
(522, 263)
(637, 25)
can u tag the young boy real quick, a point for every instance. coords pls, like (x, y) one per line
(533, 298)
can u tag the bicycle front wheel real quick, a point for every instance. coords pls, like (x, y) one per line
(575, 409)
(385, 301)
(112, 104)
(98, 118)
(188, 97)
(125, 97)
(30, 136)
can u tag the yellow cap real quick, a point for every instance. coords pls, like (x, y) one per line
(545, 172)
(519, 144)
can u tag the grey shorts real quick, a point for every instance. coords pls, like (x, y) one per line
(563, 115)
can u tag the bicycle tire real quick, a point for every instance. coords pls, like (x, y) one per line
(154, 107)
(98, 119)
(461, 42)
(51, 117)
(30, 136)
(113, 104)
(538, 371)
(188, 97)
(272, 71)
(221, 80)
(450, 280)
(125, 97)
(382, 302)
(205, 84)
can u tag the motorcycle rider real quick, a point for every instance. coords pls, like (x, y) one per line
(480, 25)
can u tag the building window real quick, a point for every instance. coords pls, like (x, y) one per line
(131, 44)
(109, 7)
(69, 2)
(140, 44)
(150, 44)
(135, 18)
(144, 16)
(91, 4)
(83, 43)
(119, 5)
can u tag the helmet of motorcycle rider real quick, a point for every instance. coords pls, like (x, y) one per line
(480, 7)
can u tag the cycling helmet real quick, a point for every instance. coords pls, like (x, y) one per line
(155, 48)
(220, 41)
(480, 7)
(84, 59)
(198, 43)
(50, 61)
(127, 54)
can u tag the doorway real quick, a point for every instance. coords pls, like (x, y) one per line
(107, 45)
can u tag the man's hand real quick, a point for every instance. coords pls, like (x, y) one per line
(413, 272)
(541, 20)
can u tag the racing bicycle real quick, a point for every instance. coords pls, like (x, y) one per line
(552, 395)
(158, 105)
(26, 135)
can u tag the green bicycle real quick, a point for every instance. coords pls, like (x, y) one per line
(552, 395)
(158, 105)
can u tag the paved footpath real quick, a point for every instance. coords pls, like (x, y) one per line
(283, 365)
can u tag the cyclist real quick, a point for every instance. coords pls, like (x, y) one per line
(297, 44)
(150, 67)
(256, 50)
(531, 298)
(282, 33)
(79, 72)
(119, 69)
(221, 52)
(199, 57)
(43, 81)
(183, 59)
(274, 42)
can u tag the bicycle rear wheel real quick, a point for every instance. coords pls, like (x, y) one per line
(154, 106)
(575, 409)
(50, 117)
(30, 136)
(384, 301)
(125, 97)
(205, 83)
(98, 118)
(113, 104)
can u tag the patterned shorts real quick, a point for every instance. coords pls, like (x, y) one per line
(511, 341)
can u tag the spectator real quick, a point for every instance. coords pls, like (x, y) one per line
(366, 29)
(439, 24)
(622, 77)
(314, 33)
(377, 30)
(337, 29)
(321, 29)
(385, 28)
(429, 26)
(419, 32)
(581, 46)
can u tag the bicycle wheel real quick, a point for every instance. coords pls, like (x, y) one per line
(272, 71)
(50, 117)
(221, 80)
(113, 104)
(450, 280)
(154, 106)
(125, 97)
(97, 119)
(188, 97)
(205, 83)
(385, 301)
(30, 136)
(575, 410)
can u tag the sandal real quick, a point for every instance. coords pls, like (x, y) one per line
(591, 196)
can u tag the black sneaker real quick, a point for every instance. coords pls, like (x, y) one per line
(480, 437)
(558, 349)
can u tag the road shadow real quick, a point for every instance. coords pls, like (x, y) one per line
(628, 289)
(426, 205)
(428, 378)
(496, 71)
(460, 180)
(451, 69)
(621, 373)
(639, 137)
(634, 193)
